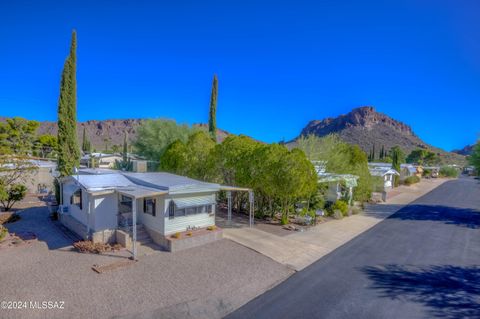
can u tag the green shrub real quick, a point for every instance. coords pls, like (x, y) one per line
(342, 206)
(284, 220)
(3, 232)
(411, 180)
(448, 171)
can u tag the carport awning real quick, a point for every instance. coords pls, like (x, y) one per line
(194, 201)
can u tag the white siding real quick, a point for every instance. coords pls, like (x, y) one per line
(74, 210)
(152, 222)
(105, 211)
(179, 224)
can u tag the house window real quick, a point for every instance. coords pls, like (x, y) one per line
(191, 210)
(126, 204)
(76, 198)
(149, 206)
(209, 209)
(179, 212)
(171, 210)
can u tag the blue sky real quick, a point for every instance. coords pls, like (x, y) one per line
(279, 63)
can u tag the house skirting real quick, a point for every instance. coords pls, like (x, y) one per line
(107, 236)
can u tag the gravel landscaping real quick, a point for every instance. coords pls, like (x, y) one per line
(203, 282)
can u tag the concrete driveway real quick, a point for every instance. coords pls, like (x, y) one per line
(300, 249)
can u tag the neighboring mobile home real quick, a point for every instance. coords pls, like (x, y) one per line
(385, 176)
(105, 205)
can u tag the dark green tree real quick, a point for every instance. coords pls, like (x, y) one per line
(212, 121)
(68, 149)
(398, 157)
(125, 164)
(86, 146)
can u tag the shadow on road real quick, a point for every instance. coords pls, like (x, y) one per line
(463, 217)
(36, 220)
(448, 291)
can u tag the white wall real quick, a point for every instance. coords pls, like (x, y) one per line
(74, 210)
(179, 224)
(153, 222)
(105, 211)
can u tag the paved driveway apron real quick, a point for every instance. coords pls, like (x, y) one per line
(421, 262)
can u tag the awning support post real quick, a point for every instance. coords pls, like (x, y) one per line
(251, 214)
(134, 218)
(229, 217)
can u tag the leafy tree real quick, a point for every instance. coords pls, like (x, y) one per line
(10, 194)
(282, 177)
(14, 172)
(192, 159)
(422, 157)
(86, 145)
(17, 135)
(154, 136)
(175, 158)
(68, 149)
(233, 160)
(474, 158)
(47, 145)
(212, 122)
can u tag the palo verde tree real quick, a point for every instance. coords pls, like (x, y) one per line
(17, 136)
(68, 149)
(212, 121)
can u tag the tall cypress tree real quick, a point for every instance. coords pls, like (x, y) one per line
(85, 142)
(68, 149)
(212, 122)
(125, 147)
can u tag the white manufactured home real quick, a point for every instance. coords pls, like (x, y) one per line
(108, 206)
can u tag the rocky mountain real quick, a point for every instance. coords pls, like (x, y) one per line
(367, 128)
(108, 132)
(101, 133)
(467, 150)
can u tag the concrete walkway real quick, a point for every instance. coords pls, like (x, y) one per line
(300, 249)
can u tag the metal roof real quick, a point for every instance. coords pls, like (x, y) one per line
(140, 191)
(141, 184)
(102, 181)
(382, 171)
(194, 201)
(169, 181)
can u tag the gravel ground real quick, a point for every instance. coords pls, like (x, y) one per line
(205, 282)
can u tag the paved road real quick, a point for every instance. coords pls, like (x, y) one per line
(422, 262)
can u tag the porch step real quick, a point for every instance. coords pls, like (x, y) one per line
(142, 236)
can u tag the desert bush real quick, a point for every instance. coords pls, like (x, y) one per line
(87, 246)
(448, 171)
(342, 206)
(284, 220)
(411, 180)
(3, 232)
(213, 227)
